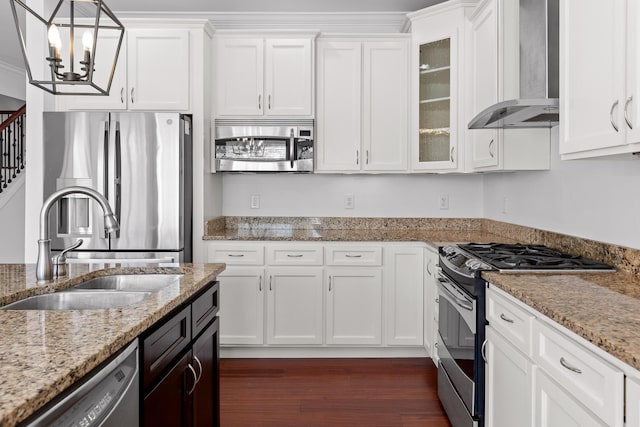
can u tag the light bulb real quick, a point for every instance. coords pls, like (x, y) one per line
(54, 36)
(87, 40)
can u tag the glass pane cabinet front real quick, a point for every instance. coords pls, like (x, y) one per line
(435, 102)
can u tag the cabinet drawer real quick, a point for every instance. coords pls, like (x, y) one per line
(165, 343)
(592, 381)
(513, 322)
(237, 255)
(291, 255)
(360, 255)
(204, 309)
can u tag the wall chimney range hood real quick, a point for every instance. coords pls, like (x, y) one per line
(538, 105)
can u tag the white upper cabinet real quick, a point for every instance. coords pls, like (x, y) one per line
(158, 69)
(437, 61)
(599, 97)
(258, 76)
(144, 78)
(339, 112)
(495, 77)
(362, 123)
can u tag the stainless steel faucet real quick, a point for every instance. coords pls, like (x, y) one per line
(44, 267)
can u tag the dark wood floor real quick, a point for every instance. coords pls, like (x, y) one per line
(329, 392)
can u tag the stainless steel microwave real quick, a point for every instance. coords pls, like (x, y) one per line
(263, 145)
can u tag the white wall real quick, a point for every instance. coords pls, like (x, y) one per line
(597, 199)
(375, 195)
(12, 81)
(12, 223)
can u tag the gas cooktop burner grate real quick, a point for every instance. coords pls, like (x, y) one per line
(530, 257)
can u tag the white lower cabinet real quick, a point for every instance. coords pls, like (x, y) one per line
(508, 383)
(306, 294)
(632, 402)
(354, 306)
(541, 375)
(241, 321)
(294, 305)
(404, 276)
(430, 303)
(556, 407)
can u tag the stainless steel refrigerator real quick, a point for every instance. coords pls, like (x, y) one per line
(141, 162)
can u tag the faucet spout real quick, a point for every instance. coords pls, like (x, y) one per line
(44, 267)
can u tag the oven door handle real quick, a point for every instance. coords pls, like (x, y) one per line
(460, 302)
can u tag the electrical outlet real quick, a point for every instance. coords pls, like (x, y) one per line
(349, 201)
(255, 201)
(505, 205)
(444, 201)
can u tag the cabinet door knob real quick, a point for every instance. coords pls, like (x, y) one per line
(260, 283)
(270, 280)
(269, 102)
(259, 102)
(452, 160)
(428, 269)
(613, 107)
(367, 156)
(491, 153)
(329, 283)
(357, 157)
(483, 351)
(626, 112)
(122, 95)
(132, 89)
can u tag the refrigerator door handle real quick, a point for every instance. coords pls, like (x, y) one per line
(117, 179)
(105, 163)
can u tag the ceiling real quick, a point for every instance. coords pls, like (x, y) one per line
(297, 13)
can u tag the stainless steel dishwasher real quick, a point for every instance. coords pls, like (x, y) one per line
(108, 397)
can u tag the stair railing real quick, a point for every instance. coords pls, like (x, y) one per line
(12, 145)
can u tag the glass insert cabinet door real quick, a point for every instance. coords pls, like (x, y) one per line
(436, 145)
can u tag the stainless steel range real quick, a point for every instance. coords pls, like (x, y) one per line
(461, 296)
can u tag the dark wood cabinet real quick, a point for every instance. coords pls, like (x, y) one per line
(205, 396)
(180, 358)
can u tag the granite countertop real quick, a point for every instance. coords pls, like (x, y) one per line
(603, 308)
(44, 352)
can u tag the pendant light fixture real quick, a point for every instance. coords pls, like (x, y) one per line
(83, 39)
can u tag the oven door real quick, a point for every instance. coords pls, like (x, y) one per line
(457, 386)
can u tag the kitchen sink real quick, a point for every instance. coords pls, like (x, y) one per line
(78, 300)
(131, 282)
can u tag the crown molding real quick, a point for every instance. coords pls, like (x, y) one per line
(334, 22)
(10, 68)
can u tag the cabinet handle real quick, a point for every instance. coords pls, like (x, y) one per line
(199, 367)
(626, 112)
(505, 318)
(491, 153)
(452, 148)
(613, 107)
(259, 102)
(437, 300)
(235, 255)
(195, 379)
(357, 157)
(269, 102)
(132, 89)
(428, 269)
(483, 351)
(270, 279)
(366, 152)
(260, 283)
(564, 363)
(122, 95)
(329, 283)
(294, 256)
(353, 256)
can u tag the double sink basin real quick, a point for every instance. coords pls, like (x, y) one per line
(100, 293)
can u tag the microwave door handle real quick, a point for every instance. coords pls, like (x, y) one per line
(292, 146)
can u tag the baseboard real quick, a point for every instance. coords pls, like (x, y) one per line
(321, 352)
